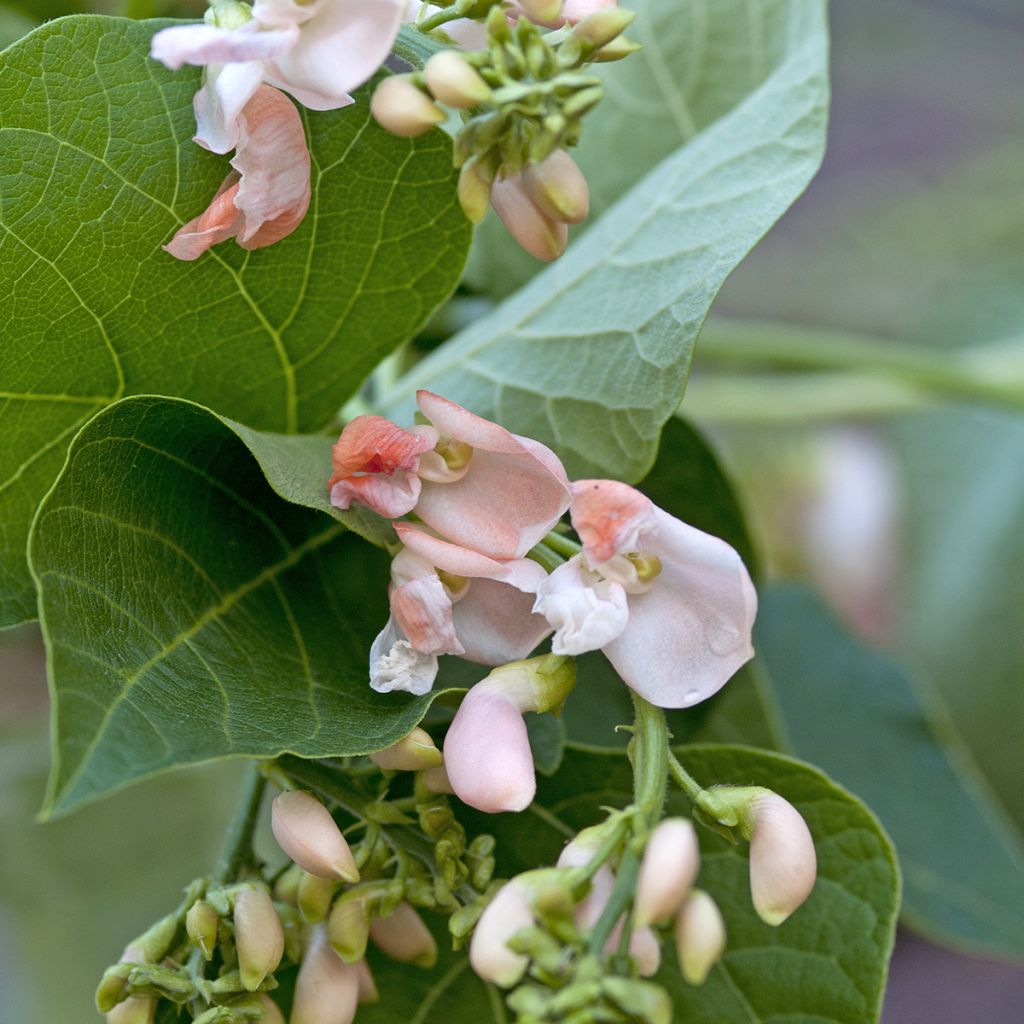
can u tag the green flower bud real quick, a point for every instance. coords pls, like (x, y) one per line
(640, 999)
(348, 929)
(315, 895)
(597, 30)
(201, 923)
(453, 81)
(113, 987)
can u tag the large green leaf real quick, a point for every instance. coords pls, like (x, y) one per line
(827, 963)
(592, 355)
(191, 613)
(97, 170)
(856, 713)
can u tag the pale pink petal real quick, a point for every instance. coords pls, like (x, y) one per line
(610, 518)
(309, 98)
(219, 103)
(496, 624)
(447, 557)
(341, 47)
(286, 12)
(206, 44)
(487, 753)
(423, 611)
(388, 496)
(586, 612)
(454, 421)
(396, 665)
(577, 10)
(691, 631)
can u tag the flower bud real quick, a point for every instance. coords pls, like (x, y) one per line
(229, 14)
(452, 80)
(367, 986)
(315, 895)
(402, 109)
(601, 27)
(510, 911)
(558, 188)
(327, 988)
(259, 937)
(700, 936)
(112, 987)
(153, 944)
(783, 864)
(348, 929)
(474, 190)
(271, 1011)
(670, 865)
(403, 936)
(413, 753)
(543, 238)
(286, 888)
(201, 923)
(133, 1010)
(576, 10)
(305, 830)
(642, 1000)
(544, 12)
(436, 780)
(618, 49)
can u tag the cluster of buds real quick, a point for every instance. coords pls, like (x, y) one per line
(522, 98)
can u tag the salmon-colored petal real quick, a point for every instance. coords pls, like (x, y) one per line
(609, 517)
(389, 496)
(219, 221)
(372, 444)
(423, 611)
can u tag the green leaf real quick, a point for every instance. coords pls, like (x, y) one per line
(592, 355)
(826, 963)
(860, 716)
(191, 613)
(97, 170)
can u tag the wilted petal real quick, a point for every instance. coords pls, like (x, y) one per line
(585, 611)
(206, 44)
(691, 631)
(396, 665)
(423, 611)
(220, 221)
(219, 103)
(388, 496)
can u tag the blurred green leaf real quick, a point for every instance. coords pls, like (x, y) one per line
(14, 24)
(826, 963)
(97, 171)
(191, 613)
(592, 355)
(856, 713)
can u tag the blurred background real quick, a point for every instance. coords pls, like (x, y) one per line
(896, 492)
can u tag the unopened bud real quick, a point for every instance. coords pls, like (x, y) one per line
(670, 865)
(403, 936)
(305, 830)
(601, 27)
(783, 864)
(286, 888)
(402, 109)
(348, 929)
(453, 81)
(228, 14)
(576, 10)
(259, 937)
(558, 187)
(700, 936)
(543, 238)
(367, 986)
(640, 999)
(413, 753)
(617, 49)
(510, 911)
(327, 988)
(271, 1011)
(201, 923)
(133, 1010)
(583, 101)
(112, 987)
(545, 12)
(153, 944)
(315, 895)
(474, 190)
(436, 780)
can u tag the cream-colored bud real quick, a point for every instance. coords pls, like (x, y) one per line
(315, 895)
(783, 864)
(413, 753)
(404, 937)
(133, 1011)
(510, 911)
(259, 937)
(558, 187)
(670, 865)
(402, 109)
(271, 1011)
(437, 781)
(700, 936)
(452, 80)
(617, 49)
(201, 923)
(348, 928)
(367, 986)
(327, 988)
(545, 12)
(286, 888)
(305, 830)
(474, 190)
(601, 27)
(540, 235)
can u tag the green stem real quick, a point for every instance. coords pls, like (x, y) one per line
(544, 556)
(415, 48)
(563, 545)
(944, 373)
(687, 783)
(237, 848)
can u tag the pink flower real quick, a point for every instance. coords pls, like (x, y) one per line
(471, 480)
(447, 599)
(317, 50)
(783, 863)
(266, 196)
(671, 607)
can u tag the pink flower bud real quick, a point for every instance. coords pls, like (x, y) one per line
(133, 1011)
(305, 830)
(509, 912)
(577, 10)
(700, 936)
(558, 188)
(413, 753)
(404, 937)
(452, 80)
(271, 1011)
(437, 781)
(544, 12)
(402, 109)
(783, 864)
(259, 937)
(367, 986)
(645, 949)
(540, 235)
(670, 865)
(327, 988)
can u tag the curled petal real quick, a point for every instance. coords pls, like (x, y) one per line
(706, 596)
(388, 496)
(450, 558)
(783, 864)
(423, 611)
(610, 518)
(509, 912)
(219, 104)
(206, 44)
(586, 612)
(396, 665)
(487, 753)
(372, 444)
